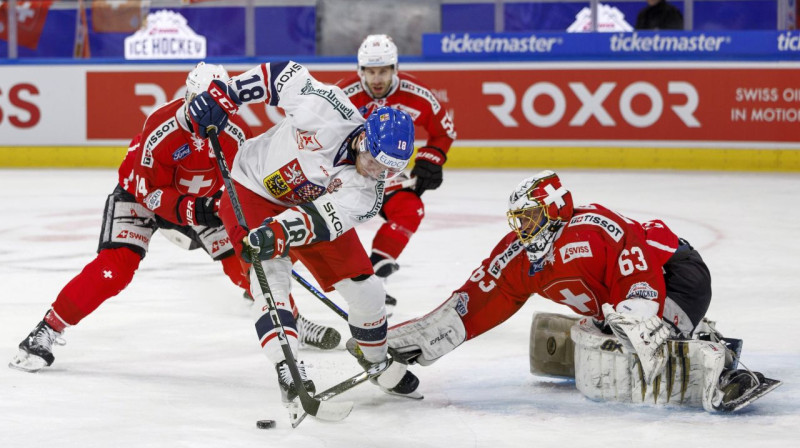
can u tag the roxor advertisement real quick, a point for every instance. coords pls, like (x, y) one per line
(745, 105)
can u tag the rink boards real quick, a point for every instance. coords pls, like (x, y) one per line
(676, 115)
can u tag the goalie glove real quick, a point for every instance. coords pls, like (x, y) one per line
(642, 332)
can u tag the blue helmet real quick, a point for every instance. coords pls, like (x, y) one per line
(390, 137)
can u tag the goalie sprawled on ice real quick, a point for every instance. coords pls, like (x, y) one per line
(643, 290)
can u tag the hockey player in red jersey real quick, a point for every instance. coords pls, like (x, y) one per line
(636, 282)
(168, 181)
(379, 83)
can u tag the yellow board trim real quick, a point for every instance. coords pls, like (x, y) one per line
(725, 159)
(61, 156)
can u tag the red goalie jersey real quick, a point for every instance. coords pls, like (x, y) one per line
(599, 257)
(166, 162)
(409, 95)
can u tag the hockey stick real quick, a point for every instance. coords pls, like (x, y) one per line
(408, 183)
(336, 309)
(329, 411)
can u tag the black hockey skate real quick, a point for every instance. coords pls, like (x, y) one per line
(742, 387)
(395, 379)
(315, 335)
(286, 382)
(36, 351)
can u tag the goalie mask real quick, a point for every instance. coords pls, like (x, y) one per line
(537, 209)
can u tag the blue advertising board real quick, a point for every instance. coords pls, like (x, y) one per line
(638, 45)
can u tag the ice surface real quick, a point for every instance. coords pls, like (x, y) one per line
(173, 360)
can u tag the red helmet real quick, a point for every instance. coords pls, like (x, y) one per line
(537, 209)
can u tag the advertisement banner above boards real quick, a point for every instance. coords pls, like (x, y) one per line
(638, 45)
(523, 106)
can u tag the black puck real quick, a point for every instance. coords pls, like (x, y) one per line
(265, 424)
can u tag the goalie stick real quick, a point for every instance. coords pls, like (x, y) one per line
(328, 411)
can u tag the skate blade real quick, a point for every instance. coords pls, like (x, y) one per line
(26, 362)
(412, 396)
(767, 386)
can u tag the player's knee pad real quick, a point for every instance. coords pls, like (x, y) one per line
(367, 314)
(405, 209)
(606, 371)
(552, 351)
(427, 339)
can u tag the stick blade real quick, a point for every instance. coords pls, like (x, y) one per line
(334, 411)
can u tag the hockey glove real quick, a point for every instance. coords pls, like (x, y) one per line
(428, 168)
(199, 211)
(269, 240)
(644, 336)
(212, 107)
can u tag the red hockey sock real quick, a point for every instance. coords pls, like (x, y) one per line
(404, 212)
(237, 271)
(104, 277)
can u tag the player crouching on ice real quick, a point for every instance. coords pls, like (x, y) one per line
(643, 290)
(168, 182)
(303, 186)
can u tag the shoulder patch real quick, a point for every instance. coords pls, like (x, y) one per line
(642, 290)
(612, 228)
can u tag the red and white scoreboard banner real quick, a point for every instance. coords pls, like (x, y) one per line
(746, 105)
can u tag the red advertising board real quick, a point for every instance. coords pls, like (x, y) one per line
(624, 103)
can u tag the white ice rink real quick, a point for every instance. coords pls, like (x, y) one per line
(173, 361)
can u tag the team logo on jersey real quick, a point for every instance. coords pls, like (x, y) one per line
(181, 153)
(642, 290)
(571, 251)
(201, 182)
(612, 229)
(307, 140)
(290, 184)
(461, 305)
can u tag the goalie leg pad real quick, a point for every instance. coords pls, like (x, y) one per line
(552, 352)
(431, 336)
(606, 371)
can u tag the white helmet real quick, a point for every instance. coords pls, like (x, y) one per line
(201, 76)
(377, 50)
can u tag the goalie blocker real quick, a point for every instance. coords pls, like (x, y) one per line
(697, 373)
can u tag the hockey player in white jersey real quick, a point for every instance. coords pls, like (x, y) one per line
(303, 186)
